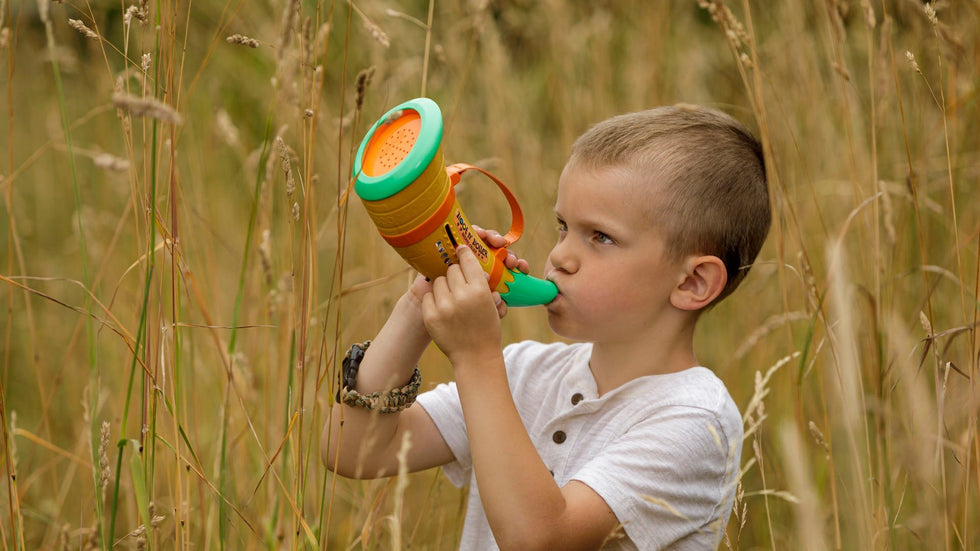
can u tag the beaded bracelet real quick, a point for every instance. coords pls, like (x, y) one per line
(385, 401)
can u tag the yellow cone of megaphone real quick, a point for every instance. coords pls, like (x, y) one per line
(408, 191)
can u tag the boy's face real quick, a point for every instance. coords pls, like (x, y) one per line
(609, 265)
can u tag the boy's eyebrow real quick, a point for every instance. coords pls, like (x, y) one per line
(612, 227)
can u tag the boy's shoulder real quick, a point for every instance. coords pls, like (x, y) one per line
(542, 369)
(555, 351)
(558, 369)
(692, 387)
(545, 357)
(697, 385)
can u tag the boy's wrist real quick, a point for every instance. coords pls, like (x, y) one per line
(412, 301)
(477, 362)
(408, 310)
(391, 400)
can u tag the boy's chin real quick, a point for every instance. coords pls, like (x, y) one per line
(563, 330)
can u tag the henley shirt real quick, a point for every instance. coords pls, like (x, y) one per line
(661, 450)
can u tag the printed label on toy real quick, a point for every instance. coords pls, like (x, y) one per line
(474, 243)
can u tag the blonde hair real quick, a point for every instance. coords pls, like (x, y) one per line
(710, 178)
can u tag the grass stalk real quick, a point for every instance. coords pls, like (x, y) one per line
(338, 274)
(959, 267)
(232, 339)
(141, 346)
(142, 493)
(968, 320)
(881, 441)
(16, 519)
(426, 52)
(94, 387)
(13, 500)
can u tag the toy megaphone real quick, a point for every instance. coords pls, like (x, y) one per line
(408, 191)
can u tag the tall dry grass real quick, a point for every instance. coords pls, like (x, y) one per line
(182, 258)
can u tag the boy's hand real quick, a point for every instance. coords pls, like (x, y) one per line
(461, 314)
(423, 286)
(495, 240)
(420, 287)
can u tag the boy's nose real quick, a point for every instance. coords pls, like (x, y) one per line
(562, 257)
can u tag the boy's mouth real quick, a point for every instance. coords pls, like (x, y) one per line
(558, 295)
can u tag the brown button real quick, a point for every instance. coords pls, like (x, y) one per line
(577, 397)
(558, 437)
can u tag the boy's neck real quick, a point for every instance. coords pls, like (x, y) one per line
(614, 364)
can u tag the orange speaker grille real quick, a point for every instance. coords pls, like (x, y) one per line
(391, 143)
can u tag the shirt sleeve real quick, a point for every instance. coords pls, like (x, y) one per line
(444, 408)
(666, 479)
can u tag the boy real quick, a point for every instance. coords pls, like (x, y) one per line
(619, 439)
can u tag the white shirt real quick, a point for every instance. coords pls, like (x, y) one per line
(661, 450)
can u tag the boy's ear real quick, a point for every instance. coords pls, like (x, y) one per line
(705, 278)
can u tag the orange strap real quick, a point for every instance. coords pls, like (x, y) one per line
(516, 215)
(431, 223)
(516, 218)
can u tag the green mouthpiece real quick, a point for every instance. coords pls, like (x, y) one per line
(529, 291)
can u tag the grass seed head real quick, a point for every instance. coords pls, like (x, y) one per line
(287, 167)
(146, 107)
(83, 29)
(105, 470)
(226, 128)
(135, 12)
(44, 11)
(363, 81)
(242, 40)
(869, 14)
(376, 33)
(111, 162)
(912, 62)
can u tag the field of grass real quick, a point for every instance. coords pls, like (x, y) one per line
(181, 261)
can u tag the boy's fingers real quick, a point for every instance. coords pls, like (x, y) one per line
(511, 261)
(440, 286)
(470, 266)
(495, 239)
(428, 302)
(455, 275)
(498, 301)
(492, 237)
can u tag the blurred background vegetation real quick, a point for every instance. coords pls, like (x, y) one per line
(181, 265)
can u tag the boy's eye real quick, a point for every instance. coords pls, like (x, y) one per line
(561, 225)
(603, 238)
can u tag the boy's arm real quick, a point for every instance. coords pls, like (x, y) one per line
(525, 507)
(358, 443)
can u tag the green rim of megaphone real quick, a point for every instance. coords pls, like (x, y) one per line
(375, 188)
